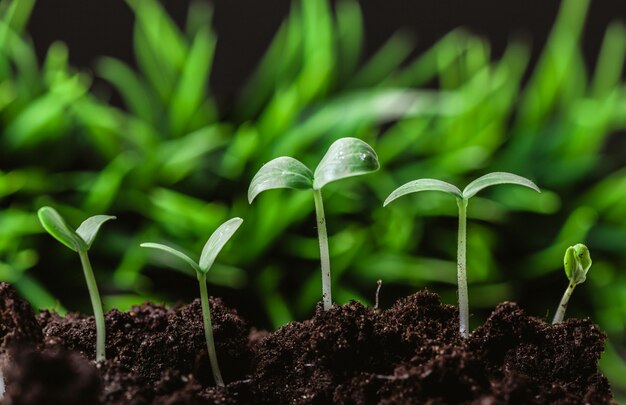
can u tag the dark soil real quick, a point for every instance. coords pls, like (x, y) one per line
(410, 353)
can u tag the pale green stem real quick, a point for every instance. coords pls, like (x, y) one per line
(560, 312)
(95, 303)
(324, 255)
(208, 330)
(461, 270)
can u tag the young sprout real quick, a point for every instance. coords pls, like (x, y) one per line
(346, 157)
(462, 198)
(379, 284)
(576, 262)
(210, 251)
(80, 241)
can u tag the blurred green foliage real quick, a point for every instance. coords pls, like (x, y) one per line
(171, 167)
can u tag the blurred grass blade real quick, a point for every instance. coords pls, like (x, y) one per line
(136, 95)
(349, 38)
(610, 64)
(386, 60)
(193, 83)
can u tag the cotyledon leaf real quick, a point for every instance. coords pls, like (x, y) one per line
(173, 252)
(56, 226)
(492, 179)
(346, 157)
(282, 172)
(90, 227)
(217, 241)
(423, 185)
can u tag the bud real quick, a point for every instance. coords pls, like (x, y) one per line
(577, 262)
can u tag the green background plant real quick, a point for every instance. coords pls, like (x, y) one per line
(171, 165)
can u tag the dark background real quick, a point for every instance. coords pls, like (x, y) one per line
(93, 28)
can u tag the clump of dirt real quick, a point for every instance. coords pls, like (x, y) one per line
(18, 325)
(153, 350)
(52, 376)
(410, 353)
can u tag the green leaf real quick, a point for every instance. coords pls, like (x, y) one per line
(192, 85)
(217, 241)
(90, 227)
(173, 252)
(423, 185)
(56, 226)
(577, 262)
(492, 179)
(282, 172)
(346, 157)
(136, 94)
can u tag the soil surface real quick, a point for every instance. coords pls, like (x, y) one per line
(411, 353)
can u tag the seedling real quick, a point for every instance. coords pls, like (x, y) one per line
(346, 157)
(462, 199)
(210, 251)
(576, 262)
(80, 241)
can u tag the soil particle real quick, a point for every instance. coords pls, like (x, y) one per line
(411, 353)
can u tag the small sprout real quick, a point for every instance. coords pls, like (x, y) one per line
(210, 251)
(379, 284)
(462, 198)
(576, 262)
(80, 241)
(346, 157)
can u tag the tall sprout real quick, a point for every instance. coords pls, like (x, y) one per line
(346, 157)
(462, 199)
(80, 241)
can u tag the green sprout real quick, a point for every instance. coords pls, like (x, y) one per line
(346, 157)
(210, 251)
(462, 198)
(80, 241)
(576, 262)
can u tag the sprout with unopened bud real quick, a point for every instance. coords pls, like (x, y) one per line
(576, 262)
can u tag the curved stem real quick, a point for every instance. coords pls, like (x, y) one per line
(560, 312)
(208, 330)
(324, 255)
(461, 270)
(98, 313)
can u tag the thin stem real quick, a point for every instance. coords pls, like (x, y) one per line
(324, 255)
(95, 303)
(208, 330)
(461, 271)
(560, 312)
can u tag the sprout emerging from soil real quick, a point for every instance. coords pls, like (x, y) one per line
(210, 251)
(576, 262)
(379, 284)
(346, 157)
(80, 241)
(462, 198)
